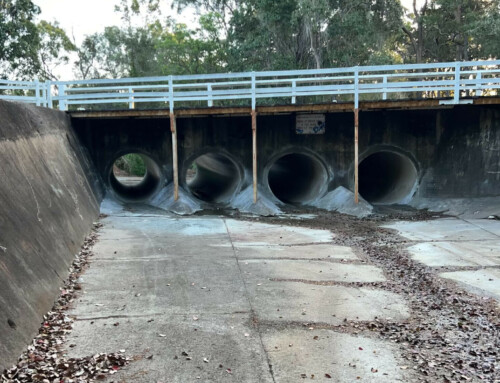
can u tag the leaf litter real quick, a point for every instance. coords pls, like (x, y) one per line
(452, 335)
(44, 360)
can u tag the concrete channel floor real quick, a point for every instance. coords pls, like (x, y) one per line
(213, 299)
(467, 251)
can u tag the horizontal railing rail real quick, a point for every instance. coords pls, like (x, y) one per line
(32, 92)
(452, 83)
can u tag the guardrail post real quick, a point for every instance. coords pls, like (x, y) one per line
(356, 129)
(173, 129)
(37, 92)
(479, 91)
(456, 95)
(44, 94)
(62, 93)
(131, 103)
(254, 101)
(294, 92)
(48, 87)
(254, 140)
(384, 95)
(210, 96)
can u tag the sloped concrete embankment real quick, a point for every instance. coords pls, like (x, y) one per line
(48, 201)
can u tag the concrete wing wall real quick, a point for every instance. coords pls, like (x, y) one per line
(48, 201)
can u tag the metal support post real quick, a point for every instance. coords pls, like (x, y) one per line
(254, 139)
(254, 154)
(356, 155)
(175, 161)
(173, 129)
(356, 128)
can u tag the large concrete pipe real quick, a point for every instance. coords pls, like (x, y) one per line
(297, 178)
(387, 177)
(140, 190)
(213, 177)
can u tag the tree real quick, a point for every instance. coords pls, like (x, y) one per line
(456, 29)
(54, 49)
(449, 30)
(294, 34)
(184, 51)
(364, 32)
(19, 39)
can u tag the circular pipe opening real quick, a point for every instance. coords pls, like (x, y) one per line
(297, 178)
(135, 177)
(213, 177)
(387, 177)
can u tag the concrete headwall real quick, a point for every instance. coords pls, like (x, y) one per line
(447, 153)
(48, 201)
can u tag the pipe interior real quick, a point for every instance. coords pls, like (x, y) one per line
(213, 177)
(297, 178)
(137, 190)
(387, 178)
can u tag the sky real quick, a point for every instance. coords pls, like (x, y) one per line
(80, 18)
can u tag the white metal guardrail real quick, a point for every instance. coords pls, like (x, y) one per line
(32, 92)
(453, 83)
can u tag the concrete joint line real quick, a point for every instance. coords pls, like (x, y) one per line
(379, 285)
(327, 260)
(417, 241)
(444, 269)
(482, 228)
(247, 296)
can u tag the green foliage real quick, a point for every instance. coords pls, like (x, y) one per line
(448, 30)
(54, 49)
(245, 35)
(132, 164)
(19, 39)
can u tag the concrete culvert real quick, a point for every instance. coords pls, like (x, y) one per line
(213, 177)
(135, 177)
(387, 177)
(297, 178)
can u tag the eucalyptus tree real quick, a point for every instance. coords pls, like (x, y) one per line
(19, 38)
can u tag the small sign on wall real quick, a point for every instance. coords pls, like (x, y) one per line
(310, 124)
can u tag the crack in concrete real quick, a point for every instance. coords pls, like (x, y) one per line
(166, 315)
(247, 295)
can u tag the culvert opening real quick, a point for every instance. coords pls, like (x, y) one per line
(387, 178)
(135, 177)
(213, 177)
(297, 178)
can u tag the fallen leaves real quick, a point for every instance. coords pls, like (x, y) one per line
(43, 361)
